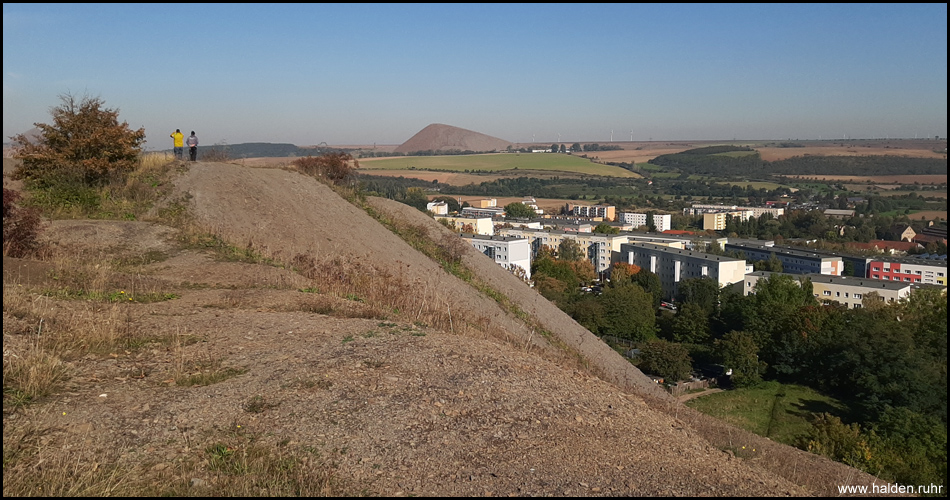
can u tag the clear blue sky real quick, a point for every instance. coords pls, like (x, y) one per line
(363, 74)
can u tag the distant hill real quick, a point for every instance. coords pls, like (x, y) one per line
(439, 137)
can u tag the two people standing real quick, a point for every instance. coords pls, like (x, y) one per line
(177, 137)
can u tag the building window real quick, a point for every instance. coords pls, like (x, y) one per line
(826, 292)
(857, 295)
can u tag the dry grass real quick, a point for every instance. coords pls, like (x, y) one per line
(39, 461)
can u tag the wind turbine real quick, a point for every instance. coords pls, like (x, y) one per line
(611, 135)
(631, 135)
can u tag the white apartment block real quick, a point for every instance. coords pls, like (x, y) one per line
(599, 248)
(507, 251)
(847, 290)
(532, 204)
(438, 207)
(699, 208)
(663, 222)
(674, 265)
(475, 225)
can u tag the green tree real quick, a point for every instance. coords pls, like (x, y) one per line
(628, 312)
(691, 324)
(703, 292)
(84, 144)
(589, 313)
(575, 147)
(666, 359)
(416, 197)
(604, 228)
(518, 209)
(650, 282)
(737, 350)
(570, 250)
(651, 225)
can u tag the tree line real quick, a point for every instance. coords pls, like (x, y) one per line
(708, 161)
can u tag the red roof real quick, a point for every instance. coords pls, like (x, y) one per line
(923, 239)
(884, 245)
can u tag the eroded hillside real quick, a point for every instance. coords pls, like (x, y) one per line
(335, 358)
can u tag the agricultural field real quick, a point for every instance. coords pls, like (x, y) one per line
(917, 149)
(549, 162)
(878, 179)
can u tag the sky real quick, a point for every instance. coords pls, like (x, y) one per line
(361, 74)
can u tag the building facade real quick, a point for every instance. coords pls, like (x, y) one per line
(917, 271)
(674, 265)
(662, 222)
(507, 251)
(475, 225)
(793, 261)
(849, 291)
(607, 212)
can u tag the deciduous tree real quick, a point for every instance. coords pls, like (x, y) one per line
(86, 143)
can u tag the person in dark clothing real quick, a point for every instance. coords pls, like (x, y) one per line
(193, 146)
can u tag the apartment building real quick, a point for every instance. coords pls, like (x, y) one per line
(607, 212)
(476, 225)
(909, 270)
(674, 265)
(482, 212)
(662, 222)
(717, 220)
(699, 208)
(793, 261)
(438, 207)
(849, 291)
(599, 248)
(507, 251)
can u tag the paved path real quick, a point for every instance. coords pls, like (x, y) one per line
(687, 397)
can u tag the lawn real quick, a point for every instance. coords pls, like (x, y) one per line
(496, 162)
(777, 411)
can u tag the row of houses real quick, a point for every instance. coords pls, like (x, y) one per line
(676, 258)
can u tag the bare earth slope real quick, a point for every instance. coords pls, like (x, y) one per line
(438, 137)
(497, 408)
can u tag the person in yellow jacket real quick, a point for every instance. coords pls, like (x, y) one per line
(179, 139)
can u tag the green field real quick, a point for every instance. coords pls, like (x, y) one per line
(764, 411)
(496, 162)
